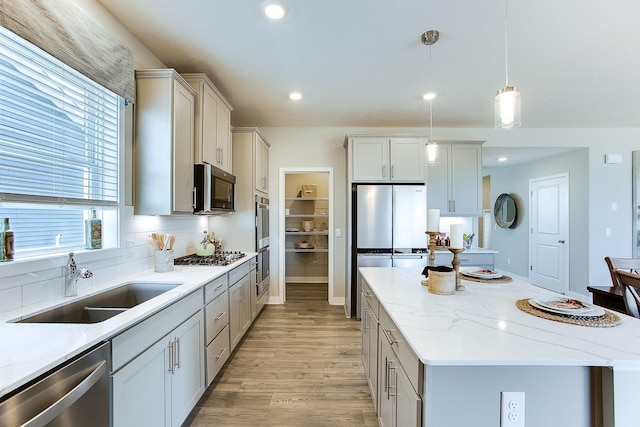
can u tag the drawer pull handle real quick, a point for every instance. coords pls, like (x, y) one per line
(221, 353)
(219, 287)
(389, 337)
(220, 315)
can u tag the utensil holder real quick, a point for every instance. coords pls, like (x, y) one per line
(163, 261)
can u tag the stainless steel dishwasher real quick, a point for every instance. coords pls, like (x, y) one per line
(75, 393)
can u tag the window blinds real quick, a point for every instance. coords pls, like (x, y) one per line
(58, 131)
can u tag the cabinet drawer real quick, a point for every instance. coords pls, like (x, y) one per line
(238, 273)
(217, 353)
(138, 338)
(214, 288)
(216, 316)
(471, 259)
(369, 296)
(407, 358)
(475, 259)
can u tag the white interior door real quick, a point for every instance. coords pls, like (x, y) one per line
(549, 228)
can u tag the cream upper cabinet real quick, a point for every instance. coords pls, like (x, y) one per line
(251, 166)
(454, 183)
(262, 165)
(212, 124)
(164, 143)
(383, 159)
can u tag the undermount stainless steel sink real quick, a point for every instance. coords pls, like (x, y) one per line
(102, 306)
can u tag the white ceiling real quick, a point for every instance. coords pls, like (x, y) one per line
(362, 63)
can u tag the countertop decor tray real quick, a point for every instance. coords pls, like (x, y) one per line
(607, 320)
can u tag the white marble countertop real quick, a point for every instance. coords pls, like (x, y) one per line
(30, 349)
(482, 326)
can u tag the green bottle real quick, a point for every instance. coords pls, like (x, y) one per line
(93, 231)
(6, 241)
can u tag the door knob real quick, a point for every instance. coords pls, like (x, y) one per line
(560, 241)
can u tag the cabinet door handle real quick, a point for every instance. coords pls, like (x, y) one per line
(384, 175)
(220, 315)
(386, 376)
(454, 205)
(221, 156)
(176, 348)
(560, 241)
(194, 197)
(393, 171)
(394, 386)
(170, 348)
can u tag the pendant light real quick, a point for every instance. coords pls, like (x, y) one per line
(507, 103)
(429, 38)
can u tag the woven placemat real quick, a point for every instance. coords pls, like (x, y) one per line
(503, 279)
(607, 320)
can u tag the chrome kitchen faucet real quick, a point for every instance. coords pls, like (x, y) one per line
(71, 275)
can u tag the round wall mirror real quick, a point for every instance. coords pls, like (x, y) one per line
(504, 211)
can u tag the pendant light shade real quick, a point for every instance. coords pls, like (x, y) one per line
(431, 148)
(507, 102)
(507, 108)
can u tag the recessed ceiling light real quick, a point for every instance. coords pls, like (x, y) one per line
(275, 9)
(502, 159)
(296, 96)
(429, 96)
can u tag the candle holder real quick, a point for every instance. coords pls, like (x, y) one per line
(432, 246)
(456, 265)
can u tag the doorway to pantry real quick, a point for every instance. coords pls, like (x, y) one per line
(305, 237)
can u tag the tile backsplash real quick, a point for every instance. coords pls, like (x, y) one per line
(23, 283)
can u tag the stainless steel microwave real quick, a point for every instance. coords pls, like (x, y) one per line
(214, 190)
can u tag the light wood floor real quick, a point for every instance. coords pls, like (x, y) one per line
(299, 365)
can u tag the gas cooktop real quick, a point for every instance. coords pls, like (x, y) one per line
(219, 258)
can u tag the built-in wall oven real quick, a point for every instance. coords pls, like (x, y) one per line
(262, 222)
(262, 246)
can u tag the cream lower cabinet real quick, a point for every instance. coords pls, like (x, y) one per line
(369, 328)
(161, 385)
(158, 367)
(393, 371)
(239, 303)
(164, 143)
(216, 315)
(399, 405)
(454, 183)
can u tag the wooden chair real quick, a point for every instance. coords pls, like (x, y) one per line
(615, 264)
(631, 284)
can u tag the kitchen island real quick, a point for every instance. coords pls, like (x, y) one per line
(459, 352)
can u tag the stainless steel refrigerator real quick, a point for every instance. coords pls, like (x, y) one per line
(389, 224)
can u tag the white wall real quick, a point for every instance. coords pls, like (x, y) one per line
(512, 243)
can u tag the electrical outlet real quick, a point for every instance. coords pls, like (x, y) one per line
(512, 409)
